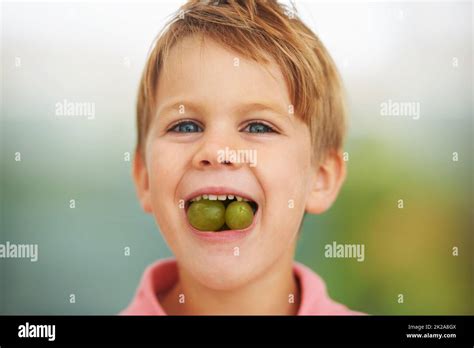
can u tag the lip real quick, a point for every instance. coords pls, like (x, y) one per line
(219, 190)
(222, 236)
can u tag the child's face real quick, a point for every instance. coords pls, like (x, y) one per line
(216, 91)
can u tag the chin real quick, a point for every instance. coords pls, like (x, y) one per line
(222, 273)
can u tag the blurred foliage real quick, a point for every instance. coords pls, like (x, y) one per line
(408, 251)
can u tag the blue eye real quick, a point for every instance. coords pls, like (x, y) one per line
(186, 127)
(258, 127)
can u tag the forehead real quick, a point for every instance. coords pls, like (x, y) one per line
(202, 69)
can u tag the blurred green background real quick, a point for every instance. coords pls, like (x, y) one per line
(85, 52)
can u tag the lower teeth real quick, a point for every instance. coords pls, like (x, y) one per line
(207, 215)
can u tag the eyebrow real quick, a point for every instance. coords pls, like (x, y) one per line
(239, 109)
(268, 106)
(196, 107)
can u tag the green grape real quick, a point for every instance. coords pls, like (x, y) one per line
(238, 215)
(206, 215)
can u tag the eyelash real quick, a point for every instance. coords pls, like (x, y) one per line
(174, 126)
(271, 129)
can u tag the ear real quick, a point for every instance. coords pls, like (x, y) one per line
(326, 182)
(140, 177)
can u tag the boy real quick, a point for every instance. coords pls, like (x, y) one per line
(228, 78)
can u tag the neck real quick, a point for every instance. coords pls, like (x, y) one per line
(275, 292)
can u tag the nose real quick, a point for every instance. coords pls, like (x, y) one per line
(214, 150)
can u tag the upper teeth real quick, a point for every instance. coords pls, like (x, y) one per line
(219, 197)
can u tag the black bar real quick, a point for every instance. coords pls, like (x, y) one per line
(138, 330)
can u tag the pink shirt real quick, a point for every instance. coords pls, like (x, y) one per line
(163, 274)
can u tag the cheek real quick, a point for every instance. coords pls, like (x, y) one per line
(284, 179)
(284, 174)
(167, 165)
(163, 180)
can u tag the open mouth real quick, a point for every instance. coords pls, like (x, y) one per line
(217, 213)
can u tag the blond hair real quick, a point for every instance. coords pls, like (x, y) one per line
(258, 29)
